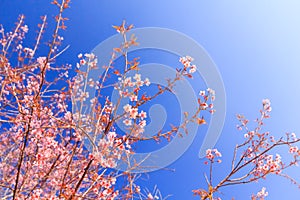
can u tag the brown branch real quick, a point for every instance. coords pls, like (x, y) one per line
(81, 179)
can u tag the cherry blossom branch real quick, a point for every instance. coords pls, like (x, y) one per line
(81, 179)
(254, 159)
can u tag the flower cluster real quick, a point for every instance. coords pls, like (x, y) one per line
(186, 61)
(129, 86)
(209, 94)
(135, 118)
(211, 154)
(16, 36)
(267, 164)
(260, 195)
(111, 150)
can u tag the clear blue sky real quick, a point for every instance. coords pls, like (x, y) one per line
(255, 44)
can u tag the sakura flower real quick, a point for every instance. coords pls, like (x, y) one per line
(218, 154)
(267, 105)
(82, 62)
(25, 28)
(266, 101)
(142, 123)
(147, 82)
(127, 122)
(211, 91)
(127, 108)
(293, 136)
(133, 98)
(143, 115)
(263, 193)
(293, 149)
(192, 69)
(203, 106)
(202, 93)
(137, 77)
(189, 58)
(133, 113)
(212, 153)
(186, 61)
(89, 55)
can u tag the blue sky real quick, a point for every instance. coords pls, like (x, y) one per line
(255, 45)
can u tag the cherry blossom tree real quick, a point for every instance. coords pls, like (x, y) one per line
(46, 122)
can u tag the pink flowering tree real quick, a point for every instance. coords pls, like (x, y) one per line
(46, 122)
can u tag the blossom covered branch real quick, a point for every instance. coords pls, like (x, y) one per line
(252, 160)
